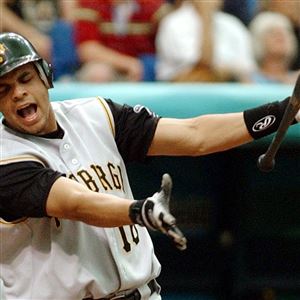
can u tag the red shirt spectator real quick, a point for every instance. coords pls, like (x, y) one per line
(128, 27)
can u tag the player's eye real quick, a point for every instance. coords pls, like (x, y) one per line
(25, 77)
(3, 91)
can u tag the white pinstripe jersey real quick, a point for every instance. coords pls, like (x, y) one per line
(43, 260)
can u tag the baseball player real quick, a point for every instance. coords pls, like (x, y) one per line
(69, 227)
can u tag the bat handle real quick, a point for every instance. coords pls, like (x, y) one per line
(265, 163)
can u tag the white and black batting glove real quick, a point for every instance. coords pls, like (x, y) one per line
(154, 213)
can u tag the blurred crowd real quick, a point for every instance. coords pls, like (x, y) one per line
(247, 41)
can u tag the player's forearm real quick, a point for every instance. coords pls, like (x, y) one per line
(199, 136)
(103, 210)
(218, 132)
(70, 200)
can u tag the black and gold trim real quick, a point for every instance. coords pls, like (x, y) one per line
(3, 222)
(108, 113)
(20, 158)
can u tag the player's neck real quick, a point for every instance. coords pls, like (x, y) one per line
(57, 134)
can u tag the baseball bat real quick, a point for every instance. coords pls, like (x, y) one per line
(266, 161)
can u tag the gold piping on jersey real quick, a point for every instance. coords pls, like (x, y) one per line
(2, 221)
(108, 114)
(20, 158)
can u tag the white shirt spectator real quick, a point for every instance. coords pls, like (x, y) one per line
(179, 43)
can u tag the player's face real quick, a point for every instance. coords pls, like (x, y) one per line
(24, 101)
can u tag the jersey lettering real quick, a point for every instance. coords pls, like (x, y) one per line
(71, 176)
(109, 180)
(126, 245)
(121, 178)
(102, 177)
(134, 236)
(115, 177)
(88, 180)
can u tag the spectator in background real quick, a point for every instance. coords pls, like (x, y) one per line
(11, 20)
(291, 9)
(199, 42)
(116, 39)
(275, 48)
(48, 24)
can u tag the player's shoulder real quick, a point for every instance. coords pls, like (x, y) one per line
(78, 104)
(16, 148)
(69, 104)
(82, 108)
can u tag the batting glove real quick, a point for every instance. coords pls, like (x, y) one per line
(154, 213)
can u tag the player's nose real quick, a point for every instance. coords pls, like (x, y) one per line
(19, 92)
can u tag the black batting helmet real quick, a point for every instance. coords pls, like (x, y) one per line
(16, 51)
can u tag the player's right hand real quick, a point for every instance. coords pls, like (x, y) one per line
(154, 213)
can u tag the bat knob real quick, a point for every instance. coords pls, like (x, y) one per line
(265, 164)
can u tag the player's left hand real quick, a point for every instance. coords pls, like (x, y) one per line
(154, 213)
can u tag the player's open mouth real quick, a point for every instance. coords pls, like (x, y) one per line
(28, 112)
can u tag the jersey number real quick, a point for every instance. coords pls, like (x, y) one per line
(134, 237)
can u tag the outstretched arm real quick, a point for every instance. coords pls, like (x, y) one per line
(216, 132)
(69, 199)
(199, 136)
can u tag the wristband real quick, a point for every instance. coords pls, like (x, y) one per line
(264, 120)
(135, 212)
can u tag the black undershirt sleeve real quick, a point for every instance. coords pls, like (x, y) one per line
(135, 128)
(24, 189)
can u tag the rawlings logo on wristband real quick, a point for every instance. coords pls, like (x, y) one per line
(264, 123)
